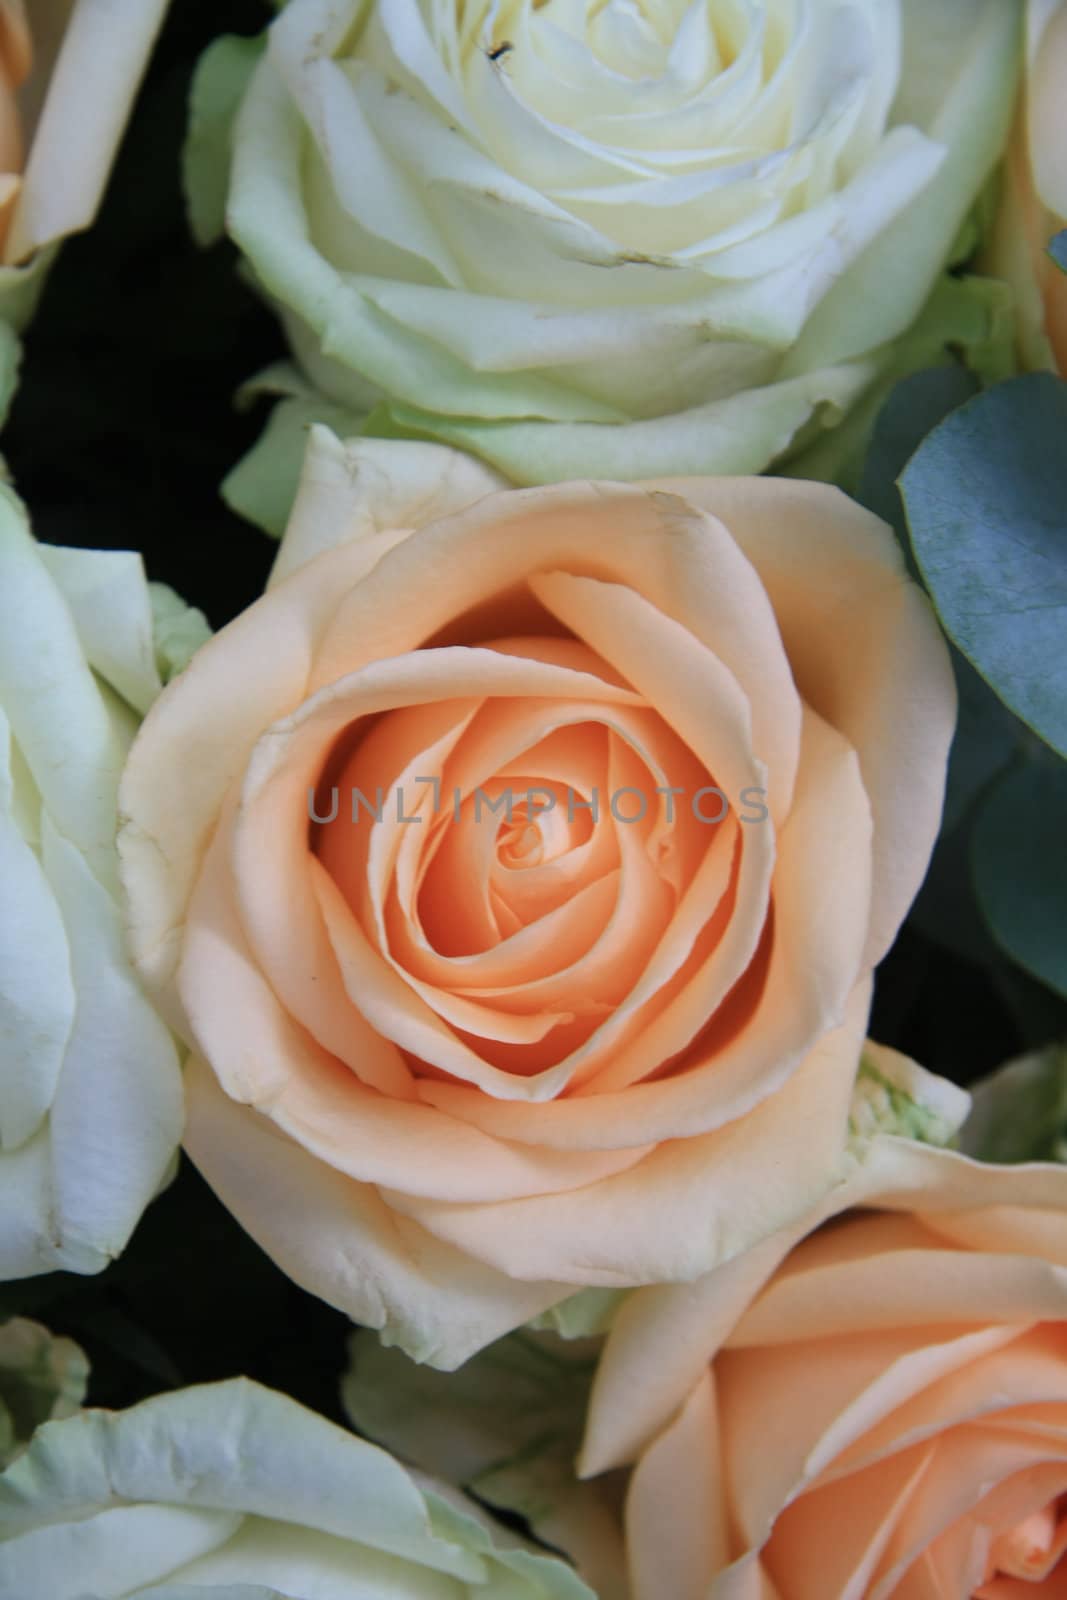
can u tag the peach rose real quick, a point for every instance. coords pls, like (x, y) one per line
(448, 1064)
(69, 72)
(878, 1413)
(15, 56)
(1033, 204)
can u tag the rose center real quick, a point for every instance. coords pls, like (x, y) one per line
(1032, 1550)
(519, 844)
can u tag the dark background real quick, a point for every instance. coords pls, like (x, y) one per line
(122, 428)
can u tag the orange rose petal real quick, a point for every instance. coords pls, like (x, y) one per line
(16, 58)
(16, 42)
(264, 658)
(813, 1398)
(1012, 1224)
(939, 1527)
(688, 1201)
(864, 1512)
(265, 1060)
(1024, 1513)
(363, 880)
(215, 933)
(274, 797)
(703, 703)
(340, 1241)
(677, 1537)
(817, 883)
(594, 956)
(864, 654)
(662, 1340)
(892, 1270)
(464, 853)
(272, 867)
(396, 1009)
(567, 931)
(698, 575)
(1022, 1372)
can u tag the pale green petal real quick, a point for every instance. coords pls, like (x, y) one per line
(36, 986)
(25, 1196)
(304, 1561)
(41, 1377)
(266, 217)
(739, 435)
(21, 288)
(1020, 1111)
(108, 599)
(211, 1591)
(116, 1119)
(958, 56)
(359, 488)
(966, 317)
(136, 635)
(52, 700)
(108, 1554)
(583, 1315)
(178, 630)
(262, 486)
(219, 82)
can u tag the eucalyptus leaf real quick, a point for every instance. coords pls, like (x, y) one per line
(986, 502)
(1057, 249)
(1020, 868)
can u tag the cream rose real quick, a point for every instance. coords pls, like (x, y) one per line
(877, 1413)
(90, 1088)
(229, 1491)
(620, 240)
(69, 71)
(1034, 192)
(450, 1064)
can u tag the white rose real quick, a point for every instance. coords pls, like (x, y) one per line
(90, 1089)
(619, 241)
(231, 1490)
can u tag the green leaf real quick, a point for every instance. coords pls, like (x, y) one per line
(506, 1426)
(913, 409)
(40, 1377)
(1057, 249)
(1020, 1111)
(1020, 868)
(986, 502)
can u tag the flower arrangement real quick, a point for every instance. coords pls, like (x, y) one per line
(533, 767)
